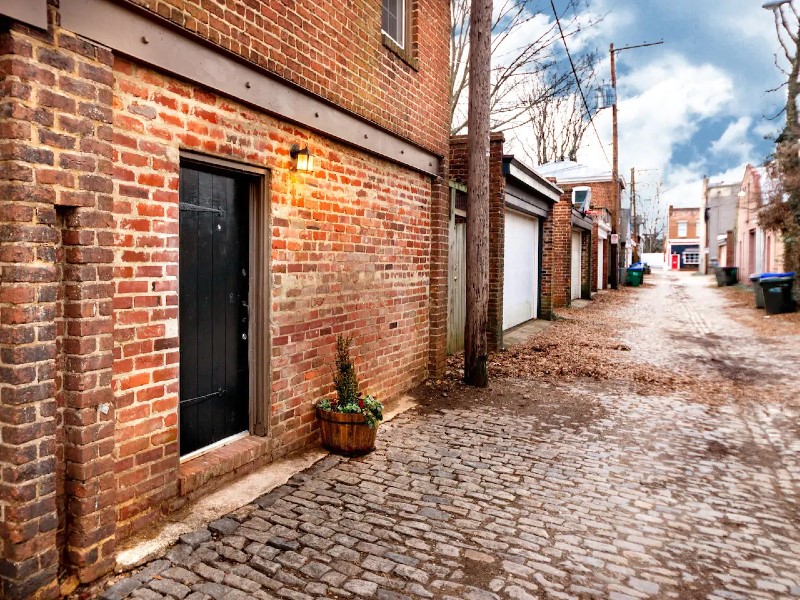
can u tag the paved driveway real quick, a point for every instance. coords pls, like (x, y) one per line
(580, 490)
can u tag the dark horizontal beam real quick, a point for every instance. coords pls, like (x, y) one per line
(30, 12)
(148, 38)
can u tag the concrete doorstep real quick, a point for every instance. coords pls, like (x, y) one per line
(153, 543)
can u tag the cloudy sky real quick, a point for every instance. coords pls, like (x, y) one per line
(697, 105)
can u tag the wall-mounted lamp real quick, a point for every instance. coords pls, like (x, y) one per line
(305, 162)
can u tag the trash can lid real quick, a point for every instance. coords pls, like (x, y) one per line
(777, 279)
(756, 276)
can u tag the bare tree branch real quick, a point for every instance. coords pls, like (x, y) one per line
(525, 50)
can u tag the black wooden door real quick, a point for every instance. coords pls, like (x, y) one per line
(213, 284)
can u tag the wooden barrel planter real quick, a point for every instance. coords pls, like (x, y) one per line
(345, 433)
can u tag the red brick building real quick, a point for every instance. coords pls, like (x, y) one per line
(683, 246)
(527, 225)
(172, 278)
(571, 176)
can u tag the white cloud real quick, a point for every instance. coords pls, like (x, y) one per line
(734, 142)
(661, 105)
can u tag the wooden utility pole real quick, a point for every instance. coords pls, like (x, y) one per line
(633, 205)
(614, 258)
(476, 348)
(615, 254)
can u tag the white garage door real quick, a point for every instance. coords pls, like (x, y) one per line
(600, 283)
(521, 272)
(575, 275)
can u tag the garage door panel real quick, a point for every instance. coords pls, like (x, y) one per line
(521, 272)
(575, 275)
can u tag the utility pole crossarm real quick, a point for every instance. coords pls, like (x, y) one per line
(645, 45)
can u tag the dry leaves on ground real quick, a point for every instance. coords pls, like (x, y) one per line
(582, 343)
(742, 307)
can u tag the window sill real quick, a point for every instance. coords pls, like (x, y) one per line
(405, 55)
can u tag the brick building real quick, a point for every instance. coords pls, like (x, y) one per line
(682, 248)
(571, 177)
(172, 278)
(718, 208)
(536, 239)
(756, 250)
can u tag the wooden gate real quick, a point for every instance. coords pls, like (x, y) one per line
(213, 295)
(457, 269)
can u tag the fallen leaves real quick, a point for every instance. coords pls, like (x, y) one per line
(742, 307)
(581, 343)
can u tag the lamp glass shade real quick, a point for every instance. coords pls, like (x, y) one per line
(305, 162)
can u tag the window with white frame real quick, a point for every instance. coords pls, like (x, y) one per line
(682, 228)
(393, 20)
(691, 257)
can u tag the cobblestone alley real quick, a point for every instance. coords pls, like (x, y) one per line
(545, 489)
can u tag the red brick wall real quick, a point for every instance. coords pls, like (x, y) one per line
(602, 194)
(588, 265)
(350, 254)
(730, 248)
(56, 412)
(557, 259)
(548, 266)
(88, 264)
(690, 215)
(593, 274)
(335, 49)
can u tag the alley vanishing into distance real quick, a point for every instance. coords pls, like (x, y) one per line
(671, 472)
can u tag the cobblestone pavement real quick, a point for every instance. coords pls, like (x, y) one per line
(582, 491)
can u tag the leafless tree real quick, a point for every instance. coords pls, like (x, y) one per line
(783, 210)
(528, 69)
(553, 126)
(653, 221)
(787, 29)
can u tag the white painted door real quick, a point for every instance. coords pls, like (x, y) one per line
(575, 275)
(521, 270)
(600, 283)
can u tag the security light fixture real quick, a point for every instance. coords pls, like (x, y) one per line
(303, 158)
(775, 4)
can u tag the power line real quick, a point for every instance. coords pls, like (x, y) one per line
(578, 81)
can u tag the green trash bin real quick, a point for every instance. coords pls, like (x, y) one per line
(635, 276)
(778, 293)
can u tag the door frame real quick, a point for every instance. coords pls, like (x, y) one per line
(259, 301)
(536, 296)
(455, 291)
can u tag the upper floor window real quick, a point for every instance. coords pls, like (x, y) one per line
(393, 21)
(682, 228)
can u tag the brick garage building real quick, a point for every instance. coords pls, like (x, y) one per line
(521, 198)
(145, 140)
(569, 175)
